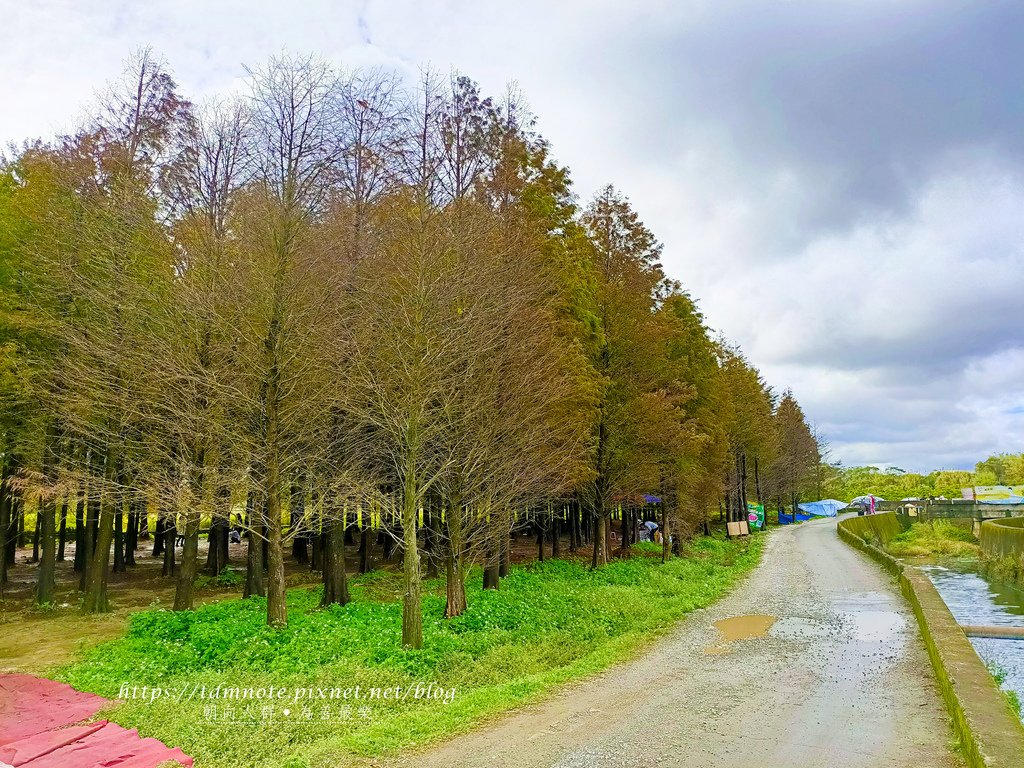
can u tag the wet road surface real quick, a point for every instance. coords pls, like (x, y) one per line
(828, 669)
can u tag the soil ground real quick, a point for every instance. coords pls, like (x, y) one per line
(35, 641)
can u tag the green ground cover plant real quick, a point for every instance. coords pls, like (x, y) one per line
(549, 623)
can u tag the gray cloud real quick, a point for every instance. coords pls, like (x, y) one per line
(860, 97)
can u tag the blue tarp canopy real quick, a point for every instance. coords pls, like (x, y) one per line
(651, 499)
(823, 508)
(785, 519)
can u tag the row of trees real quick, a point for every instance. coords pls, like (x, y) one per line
(1000, 469)
(896, 483)
(344, 303)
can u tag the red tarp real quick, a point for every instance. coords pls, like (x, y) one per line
(33, 713)
(30, 705)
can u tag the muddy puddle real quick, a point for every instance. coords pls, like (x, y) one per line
(739, 628)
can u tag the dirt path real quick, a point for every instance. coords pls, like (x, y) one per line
(839, 678)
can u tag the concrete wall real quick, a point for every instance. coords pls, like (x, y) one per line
(1002, 538)
(935, 508)
(878, 528)
(990, 734)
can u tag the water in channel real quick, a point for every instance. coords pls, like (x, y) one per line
(972, 599)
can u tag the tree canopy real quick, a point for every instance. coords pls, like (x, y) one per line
(341, 303)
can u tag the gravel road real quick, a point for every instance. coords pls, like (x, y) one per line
(838, 677)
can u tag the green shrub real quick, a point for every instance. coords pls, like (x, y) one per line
(227, 578)
(937, 538)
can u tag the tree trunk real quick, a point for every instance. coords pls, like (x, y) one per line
(96, 600)
(225, 532)
(19, 519)
(132, 535)
(505, 553)
(492, 564)
(455, 582)
(538, 524)
(254, 516)
(217, 554)
(492, 575)
(412, 610)
(365, 546)
(62, 535)
(350, 525)
(35, 541)
(318, 548)
(45, 524)
(607, 538)
(429, 538)
(455, 585)
(119, 566)
(185, 584)
(158, 536)
(318, 534)
(13, 536)
(741, 509)
(390, 534)
(92, 521)
(556, 533)
(297, 524)
(277, 607)
(600, 554)
(625, 518)
(335, 568)
(574, 527)
(191, 516)
(170, 542)
(89, 535)
(80, 553)
(743, 487)
(757, 490)
(665, 543)
(5, 522)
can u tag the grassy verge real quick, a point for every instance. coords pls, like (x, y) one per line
(549, 623)
(937, 538)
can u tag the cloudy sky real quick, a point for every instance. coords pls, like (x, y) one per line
(839, 182)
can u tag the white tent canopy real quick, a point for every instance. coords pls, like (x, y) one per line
(865, 501)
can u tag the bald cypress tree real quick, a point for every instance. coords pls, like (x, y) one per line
(629, 275)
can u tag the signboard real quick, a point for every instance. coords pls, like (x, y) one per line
(996, 494)
(755, 515)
